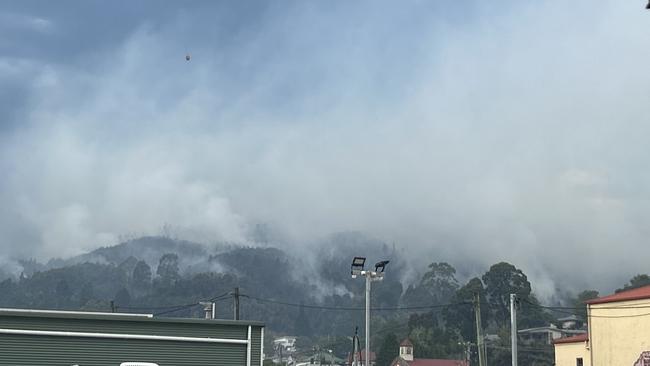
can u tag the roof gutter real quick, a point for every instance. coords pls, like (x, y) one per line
(58, 312)
(51, 333)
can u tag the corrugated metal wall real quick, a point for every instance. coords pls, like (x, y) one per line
(257, 346)
(38, 350)
(55, 351)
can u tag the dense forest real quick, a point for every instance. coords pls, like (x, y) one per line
(310, 296)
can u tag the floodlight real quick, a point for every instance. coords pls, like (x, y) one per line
(357, 266)
(380, 266)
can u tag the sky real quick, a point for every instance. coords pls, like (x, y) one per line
(458, 130)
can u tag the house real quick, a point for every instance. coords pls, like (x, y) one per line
(323, 357)
(547, 334)
(48, 337)
(406, 358)
(617, 332)
(284, 348)
(288, 343)
(572, 351)
(571, 322)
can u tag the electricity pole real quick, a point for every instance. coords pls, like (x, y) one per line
(513, 327)
(479, 330)
(235, 306)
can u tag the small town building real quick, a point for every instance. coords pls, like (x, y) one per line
(284, 349)
(617, 332)
(572, 351)
(571, 322)
(68, 338)
(406, 358)
(546, 335)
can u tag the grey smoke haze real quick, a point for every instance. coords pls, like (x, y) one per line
(462, 131)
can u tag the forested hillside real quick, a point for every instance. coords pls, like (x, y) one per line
(311, 296)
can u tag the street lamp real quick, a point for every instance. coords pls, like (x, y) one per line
(356, 269)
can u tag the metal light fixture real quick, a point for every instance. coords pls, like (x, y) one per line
(380, 266)
(357, 266)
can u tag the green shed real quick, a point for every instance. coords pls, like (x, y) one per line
(67, 338)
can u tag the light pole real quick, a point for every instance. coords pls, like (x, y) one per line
(356, 269)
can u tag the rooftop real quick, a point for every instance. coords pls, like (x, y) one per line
(575, 339)
(62, 314)
(550, 330)
(633, 294)
(429, 362)
(569, 318)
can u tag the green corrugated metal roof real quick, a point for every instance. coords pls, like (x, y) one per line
(120, 316)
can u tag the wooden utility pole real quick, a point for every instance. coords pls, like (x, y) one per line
(235, 306)
(479, 330)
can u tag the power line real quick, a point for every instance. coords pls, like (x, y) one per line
(344, 308)
(176, 309)
(173, 308)
(149, 307)
(556, 308)
(187, 306)
(523, 349)
(579, 308)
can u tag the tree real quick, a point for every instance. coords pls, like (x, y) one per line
(386, 293)
(637, 281)
(435, 342)
(86, 294)
(437, 286)
(141, 275)
(531, 314)
(500, 281)
(62, 293)
(460, 315)
(388, 351)
(168, 269)
(303, 325)
(122, 297)
(579, 302)
(440, 281)
(128, 265)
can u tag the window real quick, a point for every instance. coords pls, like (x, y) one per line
(408, 351)
(579, 361)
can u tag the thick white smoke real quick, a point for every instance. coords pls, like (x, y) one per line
(513, 135)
